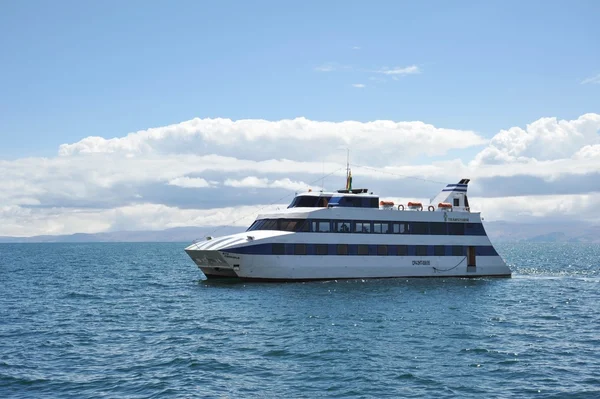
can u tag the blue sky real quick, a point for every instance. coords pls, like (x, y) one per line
(72, 69)
(147, 114)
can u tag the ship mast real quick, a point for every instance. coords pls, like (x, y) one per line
(347, 163)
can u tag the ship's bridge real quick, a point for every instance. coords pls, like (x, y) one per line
(353, 198)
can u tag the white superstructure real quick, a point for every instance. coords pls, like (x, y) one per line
(352, 234)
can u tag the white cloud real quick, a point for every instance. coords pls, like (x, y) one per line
(132, 181)
(23, 222)
(409, 70)
(292, 138)
(591, 80)
(256, 182)
(356, 48)
(544, 139)
(189, 182)
(359, 85)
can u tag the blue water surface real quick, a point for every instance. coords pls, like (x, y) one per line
(137, 321)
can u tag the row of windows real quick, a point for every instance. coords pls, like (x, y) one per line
(363, 250)
(364, 226)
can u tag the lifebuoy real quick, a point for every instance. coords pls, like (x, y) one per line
(400, 207)
(430, 208)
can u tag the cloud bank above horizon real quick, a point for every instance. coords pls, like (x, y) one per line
(211, 172)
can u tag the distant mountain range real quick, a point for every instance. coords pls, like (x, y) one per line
(497, 231)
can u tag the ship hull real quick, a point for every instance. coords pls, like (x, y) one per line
(221, 264)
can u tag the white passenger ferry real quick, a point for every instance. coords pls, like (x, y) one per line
(352, 234)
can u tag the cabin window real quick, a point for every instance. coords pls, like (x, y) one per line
(363, 249)
(400, 228)
(420, 228)
(254, 225)
(456, 229)
(269, 225)
(421, 250)
(474, 229)
(278, 249)
(323, 202)
(321, 226)
(382, 250)
(456, 202)
(362, 227)
(342, 249)
(342, 227)
(437, 228)
(321, 249)
(402, 250)
(381, 227)
(457, 250)
(439, 250)
(303, 226)
(287, 225)
(299, 249)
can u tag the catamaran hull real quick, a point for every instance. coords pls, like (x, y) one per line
(220, 264)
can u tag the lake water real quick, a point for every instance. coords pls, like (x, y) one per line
(137, 321)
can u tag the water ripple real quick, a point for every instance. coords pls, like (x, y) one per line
(135, 321)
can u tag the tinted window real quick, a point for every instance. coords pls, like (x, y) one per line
(363, 249)
(402, 250)
(456, 229)
(321, 249)
(278, 249)
(323, 202)
(287, 225)
(421, 250)
(382, 250)
(457, 250)
(439, 250)
(420, 228)
(456, 201)
(304, 201)
(342, 249)
(253, 225)
(474, 229)
(299, 249)
(437, 228)
(303, 225)
(269, 225)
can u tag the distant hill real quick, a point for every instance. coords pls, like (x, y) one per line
(543, 232)
(497, 231)
(177, 234)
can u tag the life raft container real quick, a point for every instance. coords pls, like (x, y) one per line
(415, 205)
(445, 206)
(386, 203)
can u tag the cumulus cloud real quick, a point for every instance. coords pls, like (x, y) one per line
(542, 140)
(189, 182)
(156, 178)
(381, 140)
(256, 182)
(359, 85)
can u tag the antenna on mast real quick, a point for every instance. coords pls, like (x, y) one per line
(347, 162)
